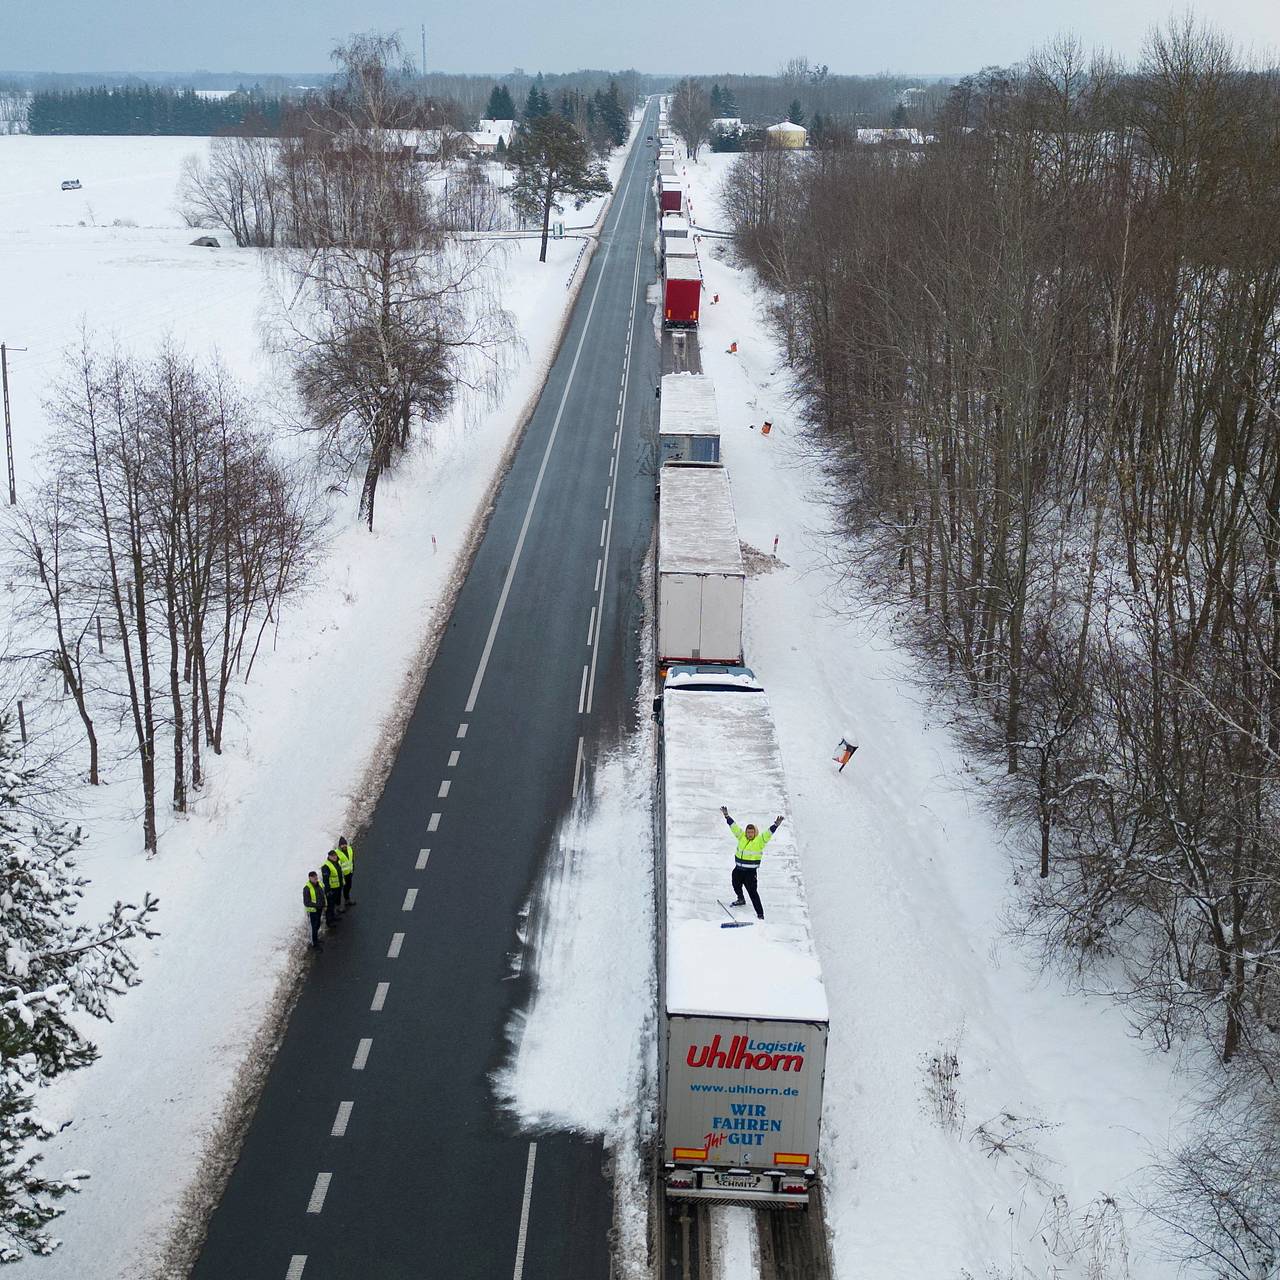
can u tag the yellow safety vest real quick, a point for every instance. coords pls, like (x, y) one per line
(312, 893)
(351, 854)
(750, 851)
(332, 875)
(344, 861)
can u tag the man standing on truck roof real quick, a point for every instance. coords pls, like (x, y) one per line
(746, 862)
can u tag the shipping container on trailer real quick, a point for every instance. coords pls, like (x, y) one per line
(681, 292)
(688, 419)
(700, 579)
(743, 1010)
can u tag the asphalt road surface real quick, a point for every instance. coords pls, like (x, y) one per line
(376, 1150)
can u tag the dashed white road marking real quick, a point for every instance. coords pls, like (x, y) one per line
(421, 864)
(341, 1120)
(379, 997)
(444, 790)
(599, 566)
(524, 1212)
(393, 951)
(591, 626)
(604, 524)
(362, 1054)
(577, 768)
(433, 823)
(318, 1192)
(582, 691)
(296, 1266)
(487, 652)
(607, 494)
(454, 757)
(462, 730)
(410, 897)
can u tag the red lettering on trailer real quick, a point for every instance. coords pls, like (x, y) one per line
(739, 1057)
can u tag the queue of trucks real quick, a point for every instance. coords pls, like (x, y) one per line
(681, 267)
(743, 1019)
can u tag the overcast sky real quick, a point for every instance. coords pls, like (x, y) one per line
(851, 36)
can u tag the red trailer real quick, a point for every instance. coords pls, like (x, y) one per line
(671, 196)
(681, 292)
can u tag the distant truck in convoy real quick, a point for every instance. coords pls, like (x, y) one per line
(700, 573)
(742, 1011)
(688, 420)
(670, 195)
(681, 292)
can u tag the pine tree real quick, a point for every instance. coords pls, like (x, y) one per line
(500, 105)
(794, 114)
(51, 968)
(552, 161)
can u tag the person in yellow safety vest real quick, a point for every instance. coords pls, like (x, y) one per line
(331, 877)
(347, 860)
(313, 900)
(746, 862)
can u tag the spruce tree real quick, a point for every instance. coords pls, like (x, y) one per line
(794, 114)
(52, 967)
(553, 161)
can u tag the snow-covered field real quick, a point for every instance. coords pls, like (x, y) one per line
(302, 764)
(981, 1121)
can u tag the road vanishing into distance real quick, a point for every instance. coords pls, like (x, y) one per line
(377, 1149)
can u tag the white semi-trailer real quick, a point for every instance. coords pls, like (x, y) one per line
(743, 1011)
(688, 420)
(700, 573)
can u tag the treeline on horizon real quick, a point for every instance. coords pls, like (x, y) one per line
(145, 109)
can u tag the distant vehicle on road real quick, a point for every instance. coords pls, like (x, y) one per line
(71, 184)
(648, 137)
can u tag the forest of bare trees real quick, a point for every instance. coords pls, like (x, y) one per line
(1040, 359)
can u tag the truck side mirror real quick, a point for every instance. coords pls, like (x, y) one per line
(657, 710)
(657, 392)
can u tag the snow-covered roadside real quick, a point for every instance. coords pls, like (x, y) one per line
(907, 883)
(305, 761)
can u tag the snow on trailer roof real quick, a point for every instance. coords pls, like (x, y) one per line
(688, 406)
(682, 269)
(719, 747)
(697, 530)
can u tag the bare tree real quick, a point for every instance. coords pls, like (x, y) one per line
(691, 115)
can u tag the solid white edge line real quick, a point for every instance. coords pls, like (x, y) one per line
(421, 864)
(341, 1120)
(362, 1054)
(379, 997)
(296, 1265)
(542, 469)
(523, 1235)
(410, 897)
(318, 1192)
(393, 951)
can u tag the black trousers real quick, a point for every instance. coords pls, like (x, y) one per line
(313, 919)
(331, 899)
(745, 878)
(346, 888)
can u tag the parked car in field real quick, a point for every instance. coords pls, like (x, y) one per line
(71, 184)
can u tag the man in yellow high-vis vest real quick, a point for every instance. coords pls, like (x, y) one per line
(347, 860)
(746, 861)
(331, 878)
(313, 903)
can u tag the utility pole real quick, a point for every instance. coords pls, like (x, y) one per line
(424, 50)
(8, 426)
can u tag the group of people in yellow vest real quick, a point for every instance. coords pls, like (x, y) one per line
(328, 891)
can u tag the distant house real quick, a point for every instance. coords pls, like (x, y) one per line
(483, 142)
(891, 137)
(726, 126)
(786, 134)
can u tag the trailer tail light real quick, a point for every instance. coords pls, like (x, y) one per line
(681, 1181)
(791, 1187)
(791, 1157)
(668, 313)
(688, 1153)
